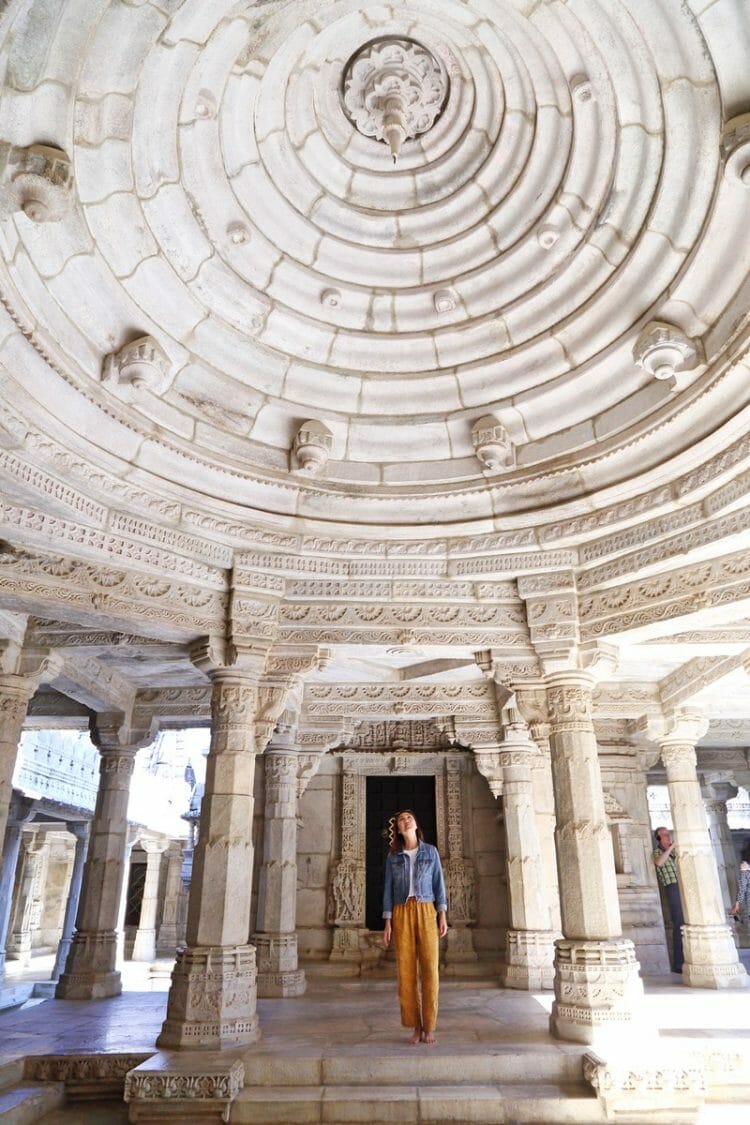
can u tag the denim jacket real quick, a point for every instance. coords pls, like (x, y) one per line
(429, 885)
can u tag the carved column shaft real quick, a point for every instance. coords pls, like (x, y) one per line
(90, 971)
(28, 906)
(168, 936)
(212, 1000)
(530, 940)
(586, 870)
(276, 939)
(598, 992)
(711, 959)
(15, 693)
(81, 834)
(21, 809)
(144, 947)
(544, 807)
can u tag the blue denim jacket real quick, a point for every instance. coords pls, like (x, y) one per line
(429, 885)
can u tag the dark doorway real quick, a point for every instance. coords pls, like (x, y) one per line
(385, 797)
(136, 883)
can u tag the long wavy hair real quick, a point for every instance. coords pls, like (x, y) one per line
(396, 840)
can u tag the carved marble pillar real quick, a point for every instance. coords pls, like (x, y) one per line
(28, 910)
(144, 947)
(90, 972)
(276, 940)
(530, 948)
(169, 935)
(544, 807)
(347, 897)
(131, 839)
(15, 693)
(460, 873)
(81, 834)
(21, 809)
(598, 991)
(715, 797)
(711, 959)
(212, 999)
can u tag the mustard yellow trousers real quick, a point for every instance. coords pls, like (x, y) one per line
(415, 938)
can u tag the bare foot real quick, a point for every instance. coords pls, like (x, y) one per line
(429, 1038)
(416, 1037)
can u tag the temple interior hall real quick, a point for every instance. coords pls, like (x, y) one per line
(374, 435)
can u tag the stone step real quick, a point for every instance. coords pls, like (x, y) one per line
(88, 1113)
(481, 1104)
(418, 1065)
(25, 1102)
(11, 1072)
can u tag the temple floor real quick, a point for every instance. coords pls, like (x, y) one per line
(355, 1021)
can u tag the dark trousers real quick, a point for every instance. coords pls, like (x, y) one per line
(672, 891)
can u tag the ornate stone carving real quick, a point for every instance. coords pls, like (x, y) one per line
(84, 1076)
(394, 90)
(596, 984)
(663, 1088)
(37, 180)
(445, 301)
(735, 148)
(142, 364)
(665, 351)
(312, 447)
(493, 447)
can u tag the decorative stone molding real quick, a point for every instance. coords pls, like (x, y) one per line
(445, 301)
(581, 88)
(394, 90)
(596, 988)
(735, 148)
(312, 447)
(665, 351)
(85, 1076)
(37, 180)
(493, 447)
(184, 1090)
(141, 365)
(663, 1089)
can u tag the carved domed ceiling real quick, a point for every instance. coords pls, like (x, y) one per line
(248, 306)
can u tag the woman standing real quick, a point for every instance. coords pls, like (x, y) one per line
(414, 890)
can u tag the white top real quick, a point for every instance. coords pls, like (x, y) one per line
(412, 854)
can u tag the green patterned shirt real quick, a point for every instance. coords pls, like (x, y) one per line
(667, 873)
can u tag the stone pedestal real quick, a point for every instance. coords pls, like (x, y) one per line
(711, 959)
(212, 999)
(598, 991)
(183, 1089)
(276, 940)
(90, 971)
(144, 947)
(81, 834)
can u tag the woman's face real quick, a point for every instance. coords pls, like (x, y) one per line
(405, 822)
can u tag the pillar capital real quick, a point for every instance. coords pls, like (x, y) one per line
(680, 728)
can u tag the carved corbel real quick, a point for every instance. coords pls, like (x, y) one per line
(552, 615)
(599, 659)
(311, 448)
(492, 445)
(37, 180)
(735, 148)
(141, 365)
(667, 353)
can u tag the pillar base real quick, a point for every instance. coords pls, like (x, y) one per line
(90, 972)
(529, 963)
(459, 946)
(598, 993)
(345, 945)
(284, 983)
(144, 946)
(212, 1000)
(88, 986)
(711, 959)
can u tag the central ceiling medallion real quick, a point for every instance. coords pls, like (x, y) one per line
(394, 90)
